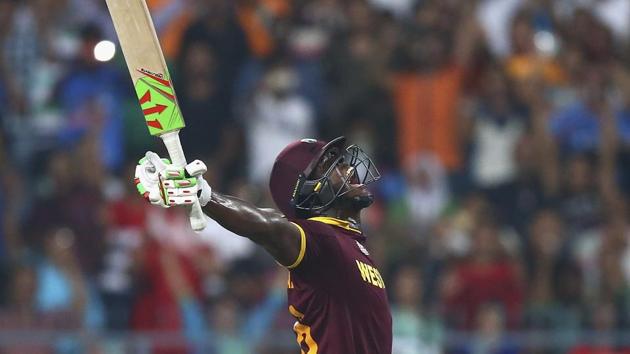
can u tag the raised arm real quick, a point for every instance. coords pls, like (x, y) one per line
(165, 185)
(267, 227)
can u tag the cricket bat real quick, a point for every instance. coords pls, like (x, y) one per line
(152, 83)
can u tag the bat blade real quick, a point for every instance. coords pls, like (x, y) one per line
(146, 64)
(151, 80)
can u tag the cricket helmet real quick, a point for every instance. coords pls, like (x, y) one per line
(295, 189)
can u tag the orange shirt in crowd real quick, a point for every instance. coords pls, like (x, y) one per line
(426, 109)
(170, 37)
(252, 19)
(523, 67)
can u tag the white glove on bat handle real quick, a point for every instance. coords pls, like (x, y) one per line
(176, 153)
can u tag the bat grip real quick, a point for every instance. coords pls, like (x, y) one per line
(176, 153)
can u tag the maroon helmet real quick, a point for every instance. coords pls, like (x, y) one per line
(297, 193)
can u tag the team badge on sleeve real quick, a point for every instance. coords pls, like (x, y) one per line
(362, 249)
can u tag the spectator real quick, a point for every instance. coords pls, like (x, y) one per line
(171, 18)
(548, 265)
(24, 38)
(601, 323)
(429, 78)
(277, 116)
(126, 219)
(614, 260)
(262, 33)
(206, 105)
(495, 18)
(415, 328)
(603, 257)
(490, 335)
(453, 234)
(244, 313)
(575, 127)
(11, 213)
(581, 204)
(356, 66)
(427, 191)
(61, 285)
(592, 37)
(216, 25)
(88, 94)
(487, 275)
(622, 81)
(21, 314)
(527, 196)
(75, 183)
(169, 283)
(226, 322)
(530, 59)
(495, 128)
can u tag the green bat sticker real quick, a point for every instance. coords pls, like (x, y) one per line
(159, 105)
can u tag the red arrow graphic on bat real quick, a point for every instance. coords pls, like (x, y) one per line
(145, 98)
(158, 108)
(155, 124)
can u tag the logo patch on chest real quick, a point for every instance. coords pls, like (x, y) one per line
(362, 248)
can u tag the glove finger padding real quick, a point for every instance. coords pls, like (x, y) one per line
(197, 168)
(172, 173)
(178, 192)
(183, 183)
(177, 188)
(157, 198)
(152, 196)
(165, 185)
(140, 187)
(181, 200)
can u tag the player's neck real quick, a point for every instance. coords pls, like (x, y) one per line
(352, 216)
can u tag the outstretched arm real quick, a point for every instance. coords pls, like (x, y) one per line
(267, 227)
(165, 185)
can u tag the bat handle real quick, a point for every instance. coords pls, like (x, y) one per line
(176, 153)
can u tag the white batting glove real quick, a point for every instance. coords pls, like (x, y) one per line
(166, 185)
(183, 186)
(147, 178)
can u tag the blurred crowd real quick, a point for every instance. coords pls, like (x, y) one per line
(501, 129)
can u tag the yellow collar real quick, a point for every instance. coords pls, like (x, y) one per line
(335, 222)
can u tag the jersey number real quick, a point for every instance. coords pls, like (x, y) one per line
(304, 338)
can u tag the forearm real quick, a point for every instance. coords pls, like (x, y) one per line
(241, 217)
(266, 227)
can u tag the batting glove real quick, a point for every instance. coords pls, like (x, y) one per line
(163, 184)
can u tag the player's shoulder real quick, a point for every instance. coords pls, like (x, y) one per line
(316, 228)
(318, 232)
(320, 245)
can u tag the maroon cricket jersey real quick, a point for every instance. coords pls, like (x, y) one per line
(336, 293)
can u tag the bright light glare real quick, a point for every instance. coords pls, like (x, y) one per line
(546, 42)
(104, 50)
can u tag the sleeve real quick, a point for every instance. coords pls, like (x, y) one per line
(300, 257)
(318, 251)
